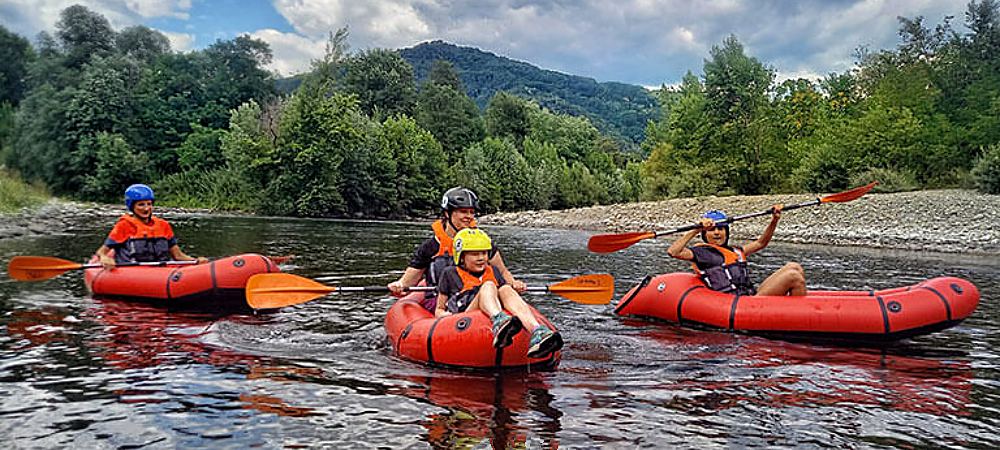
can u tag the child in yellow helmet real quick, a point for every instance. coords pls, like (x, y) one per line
(472, 283)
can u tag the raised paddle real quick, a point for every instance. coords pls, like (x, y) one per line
(37, 268)
(607, 243)
(278, 290)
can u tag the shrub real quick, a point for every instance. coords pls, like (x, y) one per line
(889, 180)
(16, 194)
(220, 189)
(986, 172)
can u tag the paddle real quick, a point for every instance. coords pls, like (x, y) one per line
(278, 290)
(607, 243)
(37, 268)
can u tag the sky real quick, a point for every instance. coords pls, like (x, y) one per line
(644, 42)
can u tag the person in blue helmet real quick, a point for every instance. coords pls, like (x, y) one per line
(724, 267)
(139, 236)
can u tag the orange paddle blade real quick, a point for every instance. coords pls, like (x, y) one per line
(278, 290)
(607, 243)
(591, 289)
(849, 195)
(36, 268)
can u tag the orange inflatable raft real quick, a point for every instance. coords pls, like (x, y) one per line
(859, 316)
(461, 340)
(216, 284)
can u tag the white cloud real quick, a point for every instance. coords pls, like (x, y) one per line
(646, 42)
(180, 42)
(29, 17)
(159, 8)
(292, 52)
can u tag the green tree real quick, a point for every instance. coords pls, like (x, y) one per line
(736, 89)
(84, 34)
(447, 112)
(422, 170)
(508, 116)
(116, 166)
(142, 43)
(383, 83)
(15, 56)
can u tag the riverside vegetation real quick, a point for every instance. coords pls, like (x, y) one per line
(89, 110)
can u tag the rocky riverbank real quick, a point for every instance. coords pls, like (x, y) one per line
(61, 216)
(938, 220)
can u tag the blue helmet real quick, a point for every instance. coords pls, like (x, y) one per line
(136, 193)
(716, 216)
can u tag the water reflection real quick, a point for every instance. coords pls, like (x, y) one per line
(97, 373)
(779, 374)
(485, 409)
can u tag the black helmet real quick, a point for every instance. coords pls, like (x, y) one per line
(459, 197)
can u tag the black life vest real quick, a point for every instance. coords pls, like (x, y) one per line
(723, 269)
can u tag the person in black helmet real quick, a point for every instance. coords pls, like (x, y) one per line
(458, 212)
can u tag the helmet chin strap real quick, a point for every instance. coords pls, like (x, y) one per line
(447, 214)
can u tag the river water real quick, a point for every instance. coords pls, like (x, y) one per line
(83, 372)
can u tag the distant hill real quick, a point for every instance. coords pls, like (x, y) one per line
(617, 109)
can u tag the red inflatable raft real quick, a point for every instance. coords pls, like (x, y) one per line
(461, 340)
(218, 284)
(861, 316)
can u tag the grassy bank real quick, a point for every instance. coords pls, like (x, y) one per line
(16, 194)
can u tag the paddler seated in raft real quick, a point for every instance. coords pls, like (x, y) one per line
(139, 236)
(458, 212)
(473, 284)
(724, 268)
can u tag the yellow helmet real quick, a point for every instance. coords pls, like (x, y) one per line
(470, 240)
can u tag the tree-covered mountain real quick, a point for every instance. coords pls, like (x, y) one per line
(616, 109)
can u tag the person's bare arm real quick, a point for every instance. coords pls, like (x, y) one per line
(104, 254)
(765, 238)
(679, 248)
(178, 255)
(411, 276)
(497, 261)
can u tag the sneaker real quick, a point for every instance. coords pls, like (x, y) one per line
(504, 329)
(543, 342)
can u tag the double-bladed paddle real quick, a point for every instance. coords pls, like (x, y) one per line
(37, 268)
(607, 243)
(278, 290)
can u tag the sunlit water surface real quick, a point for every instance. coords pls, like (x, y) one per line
(83, 372)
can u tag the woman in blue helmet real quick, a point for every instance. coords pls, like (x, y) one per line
(724, 268)
(139, 236)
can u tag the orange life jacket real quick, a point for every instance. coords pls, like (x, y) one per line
(729, 275)
(470, 287)
(136, 241)
(443, 258)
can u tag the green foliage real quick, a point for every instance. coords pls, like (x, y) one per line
(142, 43)
(202, 149)
(84, 34)
(448, 113)
(618, 110)
(889, 180)
(16, 194)
(116, 166)
(219, 189)
(508, 116)
(422, 170)
(15, 56)
(986, 171)
(383, 83)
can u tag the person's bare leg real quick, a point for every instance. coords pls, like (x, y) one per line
(513, 302)
(788, 280)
